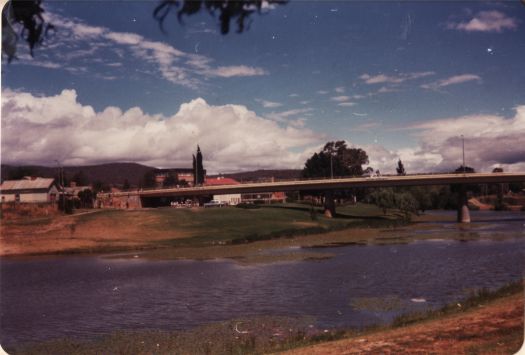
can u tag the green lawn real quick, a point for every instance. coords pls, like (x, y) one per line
(234, 225)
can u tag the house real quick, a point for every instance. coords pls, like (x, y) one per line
(230, 199)
(30, 190)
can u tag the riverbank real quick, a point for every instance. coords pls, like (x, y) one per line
(486, 322)
(103, 231)
(492, 324)
(288, 232)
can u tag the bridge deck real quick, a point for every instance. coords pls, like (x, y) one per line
(331, 184)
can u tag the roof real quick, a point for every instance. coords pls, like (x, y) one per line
(220, 181)
(176, 170)
(27, 184)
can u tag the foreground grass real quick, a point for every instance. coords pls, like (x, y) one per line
(275, 334)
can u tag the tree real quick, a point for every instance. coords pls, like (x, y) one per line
(26, 14)
(227, 10)
(198, 168)
(400, 168)
(126, 185)
(149, 180)
(80, 178)
(466, 169)
(86, 198)
(335, 157)
(170, 181)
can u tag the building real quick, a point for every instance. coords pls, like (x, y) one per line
(264, 197)
(180, 174)
(230, 199)
(30, 190)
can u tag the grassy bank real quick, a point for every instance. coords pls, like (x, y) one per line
(169, 228)
(274, 334)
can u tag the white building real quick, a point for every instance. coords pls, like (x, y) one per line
(29, 190)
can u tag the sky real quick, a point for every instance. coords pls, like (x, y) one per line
(401, 80)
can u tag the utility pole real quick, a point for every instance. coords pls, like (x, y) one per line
(463, 145)
(331, 166)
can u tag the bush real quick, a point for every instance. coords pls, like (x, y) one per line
(248, 206)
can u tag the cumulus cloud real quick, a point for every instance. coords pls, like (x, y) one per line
(490, 141)
(393, 79)
(174, 65)
(486, 21)
(40, 130)
(453, 80)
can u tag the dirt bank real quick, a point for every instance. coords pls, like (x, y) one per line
(493, 328)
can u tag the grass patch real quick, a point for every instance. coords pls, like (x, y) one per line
(476, 298)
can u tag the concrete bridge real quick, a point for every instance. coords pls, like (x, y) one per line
(329, 185)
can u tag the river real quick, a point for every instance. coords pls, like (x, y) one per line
(45, 298)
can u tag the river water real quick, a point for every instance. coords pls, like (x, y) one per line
(79, 296)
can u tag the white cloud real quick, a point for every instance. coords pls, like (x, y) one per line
(486, 21)
(341, 98)
(339, 89)
(174, 65)
(284, 116)
(322, 92)
(236, 70)
(490, 141)
(268, 104)
(453, 80)
(393, 79)
(231, 136)
(346, 104)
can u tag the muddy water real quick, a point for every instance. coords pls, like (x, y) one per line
(47, 298)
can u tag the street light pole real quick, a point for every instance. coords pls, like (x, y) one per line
(463, 145)
(331, 166)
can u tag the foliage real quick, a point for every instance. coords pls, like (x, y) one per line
(335, 157)
(126, 185)
(149, 180)
(198, 169)
(227, 10)
(80, 178)
(86, 198)
(383, 198)
(400, 168)
(466, 169)
(387, 198)
(170, 181)
(100, 186)
(26, 14)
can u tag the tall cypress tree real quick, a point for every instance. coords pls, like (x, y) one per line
(200, 167)
(194, 171)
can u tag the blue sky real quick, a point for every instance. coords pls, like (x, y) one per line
(401, 79)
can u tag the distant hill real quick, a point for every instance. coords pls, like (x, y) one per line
(112, 174)
(283, 174)
(115, 173)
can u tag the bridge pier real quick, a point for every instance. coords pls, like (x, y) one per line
(463, 212)
(329, 204)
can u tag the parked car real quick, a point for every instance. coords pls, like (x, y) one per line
(215, 203)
